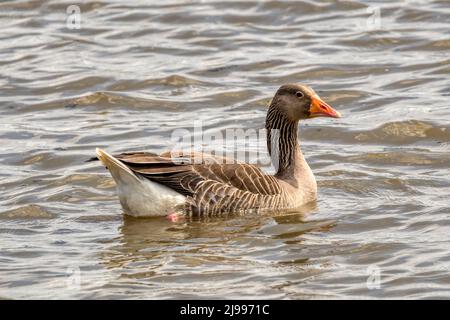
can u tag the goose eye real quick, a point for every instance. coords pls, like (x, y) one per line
(299, 94)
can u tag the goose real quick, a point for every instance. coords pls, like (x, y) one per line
(196, 183)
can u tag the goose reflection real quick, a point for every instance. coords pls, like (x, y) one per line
(156, 246)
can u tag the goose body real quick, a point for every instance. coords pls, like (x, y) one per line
(202, 184)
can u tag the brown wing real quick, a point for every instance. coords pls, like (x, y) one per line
(197, 175)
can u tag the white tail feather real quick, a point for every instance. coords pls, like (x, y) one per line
(139, 196)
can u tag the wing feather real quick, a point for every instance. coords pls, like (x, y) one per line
(211, 184)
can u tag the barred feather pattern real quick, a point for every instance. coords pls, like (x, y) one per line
(214, 185)
(282, 141)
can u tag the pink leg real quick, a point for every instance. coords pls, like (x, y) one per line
(173, 217)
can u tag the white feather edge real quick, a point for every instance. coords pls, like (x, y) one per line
(140, 197)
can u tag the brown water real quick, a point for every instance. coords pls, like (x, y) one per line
(137, 70)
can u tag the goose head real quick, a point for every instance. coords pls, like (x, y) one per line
(299, 102)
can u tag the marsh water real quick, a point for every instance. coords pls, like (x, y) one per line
(124, 75)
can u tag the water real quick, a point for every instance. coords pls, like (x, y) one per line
(136, 71)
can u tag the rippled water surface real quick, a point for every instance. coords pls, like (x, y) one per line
(137, 70)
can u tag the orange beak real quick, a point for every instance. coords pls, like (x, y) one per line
(321, 109)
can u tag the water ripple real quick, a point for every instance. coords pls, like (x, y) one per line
(136, 71)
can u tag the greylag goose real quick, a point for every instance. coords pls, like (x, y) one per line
(201, 184)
